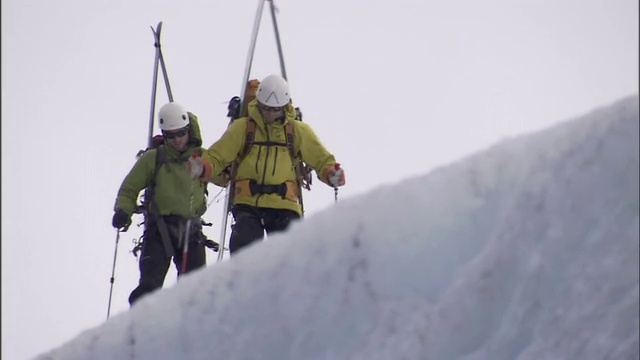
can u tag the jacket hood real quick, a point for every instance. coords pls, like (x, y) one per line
(195, 136)
(195, 139)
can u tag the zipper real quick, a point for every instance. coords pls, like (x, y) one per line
(266, 158)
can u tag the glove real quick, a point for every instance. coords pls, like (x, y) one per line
(195, 166)
(335, 176)
(121, 220)
(212, 245)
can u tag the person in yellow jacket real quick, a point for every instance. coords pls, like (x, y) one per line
(266, 189)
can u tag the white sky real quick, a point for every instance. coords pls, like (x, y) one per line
(393, 89)
(528, 251)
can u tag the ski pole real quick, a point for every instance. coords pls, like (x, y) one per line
(185, 246)
(113, 271)
(336, 166)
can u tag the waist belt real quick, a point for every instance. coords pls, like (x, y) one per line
(280, 189)
(247, 188)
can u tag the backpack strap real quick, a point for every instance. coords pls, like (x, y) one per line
(154, 211)
(161, 159)
(295, 158)
(288, 128)
(250, 135)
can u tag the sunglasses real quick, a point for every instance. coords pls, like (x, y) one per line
(175, 134)
(270, 108)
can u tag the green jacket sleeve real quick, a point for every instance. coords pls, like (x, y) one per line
(312, 150)
(227, 148)
(137, 179)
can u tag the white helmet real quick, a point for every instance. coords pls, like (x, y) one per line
(273, 91)
(173, 116)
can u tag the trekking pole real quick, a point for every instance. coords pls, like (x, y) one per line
(335, 188)
(185, 246)
(113, 271)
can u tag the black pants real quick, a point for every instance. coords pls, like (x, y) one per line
(251, 223)
(154, 262)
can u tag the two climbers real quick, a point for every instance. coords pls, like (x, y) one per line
(265, 180)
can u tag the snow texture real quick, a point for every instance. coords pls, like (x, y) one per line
(528, 250)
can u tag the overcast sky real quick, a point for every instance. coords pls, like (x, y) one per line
(393, 89)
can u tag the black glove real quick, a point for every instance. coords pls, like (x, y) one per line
(212, 245)
(121, 220)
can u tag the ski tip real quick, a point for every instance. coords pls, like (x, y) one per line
(157, 29)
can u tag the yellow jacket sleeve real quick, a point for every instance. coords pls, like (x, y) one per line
(312, 151)
(224, 151)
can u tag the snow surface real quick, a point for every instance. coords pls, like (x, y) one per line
(528, 250)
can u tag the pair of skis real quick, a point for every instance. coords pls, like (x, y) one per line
(247, 72)
(158, 60)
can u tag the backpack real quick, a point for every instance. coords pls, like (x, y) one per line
(235, 111)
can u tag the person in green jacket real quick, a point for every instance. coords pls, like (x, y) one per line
(176, 197)
(266, 185)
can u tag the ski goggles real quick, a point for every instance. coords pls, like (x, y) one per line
(270, 108)
(175, 134)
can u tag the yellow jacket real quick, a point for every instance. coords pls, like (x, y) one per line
(268, 164)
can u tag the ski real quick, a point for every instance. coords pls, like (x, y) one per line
(156, 34)
(154, 87)
(245, 79)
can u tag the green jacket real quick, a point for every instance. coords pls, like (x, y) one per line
(174, 187)
(268, 165)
